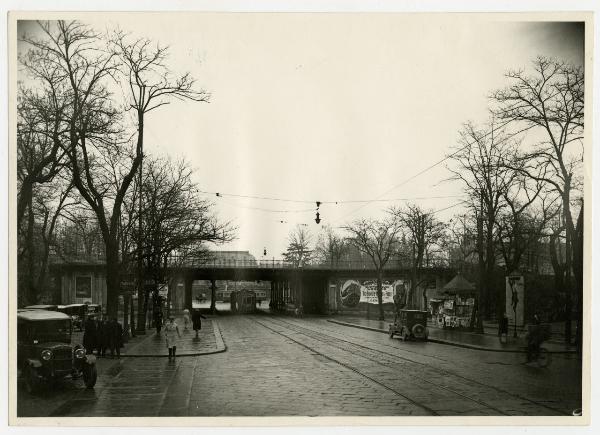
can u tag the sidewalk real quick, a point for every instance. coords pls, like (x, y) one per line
(209, 341)
(465, 339)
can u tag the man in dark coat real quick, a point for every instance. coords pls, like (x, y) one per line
(90, 336)
(158, 320)
(102, 337)
(196, 320)
(115, 337)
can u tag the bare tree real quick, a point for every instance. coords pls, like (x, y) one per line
(177, 224)
(483, 159)
(461, 241)
(378, 239)
(330, 247)
(550, 99)
(299, 251)
(71, 63)
(39, 158)
(36, 239)
(424, 232)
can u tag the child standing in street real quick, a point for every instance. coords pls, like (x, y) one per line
(186, 319)
(171, 335)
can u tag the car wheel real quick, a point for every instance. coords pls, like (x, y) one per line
(90, 375)
(31, 380)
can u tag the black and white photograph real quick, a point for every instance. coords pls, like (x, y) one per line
(332, 215)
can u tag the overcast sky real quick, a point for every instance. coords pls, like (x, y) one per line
(330, 107)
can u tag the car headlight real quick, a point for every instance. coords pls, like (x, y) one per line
(46, 354)
(80, 353)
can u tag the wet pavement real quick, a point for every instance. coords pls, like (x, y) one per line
(458, 337)
(280, 366)
(209, 340)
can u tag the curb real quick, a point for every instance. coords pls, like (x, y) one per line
(221, 347)
(450, 343)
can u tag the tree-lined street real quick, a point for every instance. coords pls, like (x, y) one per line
(284, 366)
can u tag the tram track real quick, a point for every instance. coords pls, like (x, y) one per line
(441, 371)
(353, 369)
(391, 359)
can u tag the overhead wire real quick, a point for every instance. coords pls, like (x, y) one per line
(412, 177)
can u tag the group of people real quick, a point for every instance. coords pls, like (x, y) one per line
(172, 333)
(102, 336)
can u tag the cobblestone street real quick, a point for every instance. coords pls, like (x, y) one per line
(310, 367)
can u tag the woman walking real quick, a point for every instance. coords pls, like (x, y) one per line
(196, 320)
(171, 335)
(186, 319)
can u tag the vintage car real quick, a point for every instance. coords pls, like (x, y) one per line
(45, 352)
(410, 325)
(42, 307)
(77, 312)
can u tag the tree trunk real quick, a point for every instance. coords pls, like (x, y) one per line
(126, 314)
(113, 280)
(213, 296)
(24, 199)
(578, 272)
(31, 289)
(142, 309)
(380, 294)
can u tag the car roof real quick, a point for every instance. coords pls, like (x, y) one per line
(414, 311)
(36, 315)
(74, 305)
(39, 307)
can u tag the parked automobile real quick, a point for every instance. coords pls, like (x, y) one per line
(45, 352)
(410, 325)
(77, 312)
(42, 307)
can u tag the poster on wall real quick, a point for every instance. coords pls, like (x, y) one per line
(515, 299)
(353, 292)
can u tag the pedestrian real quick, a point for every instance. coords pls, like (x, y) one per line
(503, 328)
(186, 319)
(115, 338)
(158, 320)
(196, 320)
(102, 337)
(90, 336)
(171, 335)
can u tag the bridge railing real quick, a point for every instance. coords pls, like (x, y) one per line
(282, 264)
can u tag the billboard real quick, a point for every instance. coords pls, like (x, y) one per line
(353, 292)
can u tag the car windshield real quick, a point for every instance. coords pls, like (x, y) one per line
(51, 330)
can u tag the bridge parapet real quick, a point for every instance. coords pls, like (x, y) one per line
(282, 264)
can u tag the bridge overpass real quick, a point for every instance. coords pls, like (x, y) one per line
(312, 285)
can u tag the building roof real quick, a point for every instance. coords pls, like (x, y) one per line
(459, 284)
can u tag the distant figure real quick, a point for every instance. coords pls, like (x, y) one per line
(90, 335)
(186, 319)
(102, 337)
(534, 339)
(115, 338)
(158, 320)
(503, 328)
(233, 301)
(196, 320)
(171, 335)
